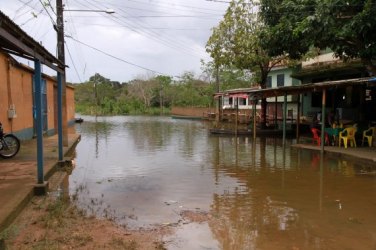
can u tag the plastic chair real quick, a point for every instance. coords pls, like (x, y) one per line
(317, 136)
(368, 135)
(348, 134)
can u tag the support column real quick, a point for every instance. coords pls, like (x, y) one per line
(236, 116)
(323, 120)
(39, 120)
(60, 114)
(298, 120)
(254, 119)
(276, 112)
(284, 118)
(41, 186)
(218, 111)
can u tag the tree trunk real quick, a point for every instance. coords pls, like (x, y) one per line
(264, 76)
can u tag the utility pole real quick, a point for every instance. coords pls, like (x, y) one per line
(61, 57)
(219, 108)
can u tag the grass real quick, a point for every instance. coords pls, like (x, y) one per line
(8, 233)
(118, 243)
(56, 223)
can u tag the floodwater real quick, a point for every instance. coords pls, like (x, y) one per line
(144, 171)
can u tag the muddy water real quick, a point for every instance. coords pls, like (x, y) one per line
(144, 171)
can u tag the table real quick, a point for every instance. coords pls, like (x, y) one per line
(334, 133)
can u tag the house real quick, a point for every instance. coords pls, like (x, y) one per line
(280, 76)
(348, 103)
(17, 111)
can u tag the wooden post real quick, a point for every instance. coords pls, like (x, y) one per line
(298, 120)
(236, 116)
(284, 118)
(276, 112)
(61, 57)
(254, 119)
(323, 120)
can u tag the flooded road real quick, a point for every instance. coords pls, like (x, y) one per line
(146, 171)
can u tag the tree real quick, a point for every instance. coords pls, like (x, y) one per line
(348, 28)
(142, 90)
(230, 77)
(236, 42)
(163, 83)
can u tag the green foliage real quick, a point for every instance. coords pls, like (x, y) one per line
(236, 41)
(348, 28)
(153, 96)
(229, 77)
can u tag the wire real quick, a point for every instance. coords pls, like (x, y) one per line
(179, 16)
(117, 58)
(48, 13)
(31, 18)
(217, 1)
(156, 28)
(52, 9)
(166, 6)
(77, 46)
(21, 8)
(74, 66)
(142, 30)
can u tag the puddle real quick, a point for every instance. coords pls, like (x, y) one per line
(192, 236)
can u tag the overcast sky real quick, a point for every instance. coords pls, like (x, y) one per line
(165, 36)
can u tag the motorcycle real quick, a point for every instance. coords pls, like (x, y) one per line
(9, 144)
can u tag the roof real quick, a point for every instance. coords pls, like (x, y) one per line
(329, 69)
(298, 89)
(16, 41)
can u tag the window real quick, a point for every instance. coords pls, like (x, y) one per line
(242, 101)
(269, 82)
(280, 80)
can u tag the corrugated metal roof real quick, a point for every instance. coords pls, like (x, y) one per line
(16, 41)
(304, 88)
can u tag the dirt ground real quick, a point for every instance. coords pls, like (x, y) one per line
(52, 222)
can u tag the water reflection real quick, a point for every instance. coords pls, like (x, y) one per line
(260, 193)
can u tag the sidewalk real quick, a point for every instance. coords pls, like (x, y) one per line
(18, 175)
(360, 154)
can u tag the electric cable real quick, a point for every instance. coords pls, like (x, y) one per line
(117, 58)
(74, 66)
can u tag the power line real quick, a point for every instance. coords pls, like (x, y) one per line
(74, 66)
(217, 1)
(142, 30)
(167, 6)
(48, 13)
(49, 4)
(34, 15)
(78, 48)
(21, 8)
(155, 28)
(155, 16)
(117, 58)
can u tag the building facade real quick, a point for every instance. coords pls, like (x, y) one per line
(17, 110)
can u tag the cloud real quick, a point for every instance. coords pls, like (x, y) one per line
(168, 37)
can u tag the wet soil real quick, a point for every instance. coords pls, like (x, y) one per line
(52, 222)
